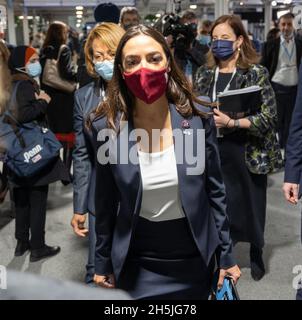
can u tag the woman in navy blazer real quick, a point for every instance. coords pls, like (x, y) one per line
(144, 246)
(100, 46)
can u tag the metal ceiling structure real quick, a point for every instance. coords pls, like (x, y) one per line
(64, 10)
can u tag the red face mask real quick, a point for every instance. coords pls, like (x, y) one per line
(146, 84)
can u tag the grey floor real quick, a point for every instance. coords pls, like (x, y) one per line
(282, 253)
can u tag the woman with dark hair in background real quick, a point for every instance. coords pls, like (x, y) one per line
(5, 88)
(158, 227)
(60, 111)
(248, 149)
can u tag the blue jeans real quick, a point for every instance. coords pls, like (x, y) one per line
(299, 294)
(91, 252)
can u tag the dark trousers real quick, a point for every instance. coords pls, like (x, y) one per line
(3, 181)
(30, 207)
(67, 155)
(286, 99)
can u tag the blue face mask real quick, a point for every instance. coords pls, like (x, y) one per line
(34, 69)
(205, 40)
(222, 49)
(104, 69)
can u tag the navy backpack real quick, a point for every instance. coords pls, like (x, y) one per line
(25, 148)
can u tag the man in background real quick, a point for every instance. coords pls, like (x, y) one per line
(129, 17)
(282, 57)
(189, 53)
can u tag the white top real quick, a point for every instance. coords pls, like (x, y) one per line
(160, 200)
(286, 73)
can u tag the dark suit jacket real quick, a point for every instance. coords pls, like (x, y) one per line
(87, 99)
(270, 55)
(119, 196)
(293, 163)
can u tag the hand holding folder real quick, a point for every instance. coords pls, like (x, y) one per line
(242, 102)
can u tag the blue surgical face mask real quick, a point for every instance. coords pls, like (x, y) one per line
(104, 69)
(34, 69)
(222, 49)
(205, 40)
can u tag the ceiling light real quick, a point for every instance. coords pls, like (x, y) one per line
(193, 6)
(79, 7)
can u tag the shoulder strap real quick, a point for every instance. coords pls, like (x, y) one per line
(63, 46)
(9, 113)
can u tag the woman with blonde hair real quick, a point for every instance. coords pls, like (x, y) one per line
(248, 149)
(100, 50)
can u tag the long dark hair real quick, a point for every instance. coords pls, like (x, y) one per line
(56, 35)
(120, 99)
(248, 54)
(5, 77)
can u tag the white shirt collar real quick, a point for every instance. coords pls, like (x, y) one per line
(284, 41)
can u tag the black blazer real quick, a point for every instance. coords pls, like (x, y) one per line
(270, 55)
(86, 99)
(197, 56)
(293, 163)
(119, 196)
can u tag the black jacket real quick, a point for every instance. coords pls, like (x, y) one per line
(293, 164)
(270, 55)
(29, 109)
(60, 111)
(83, 77)
(87, 99)
(196, 55)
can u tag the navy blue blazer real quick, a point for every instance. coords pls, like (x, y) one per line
(87, 99)
(119, 196)
(293, 163)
